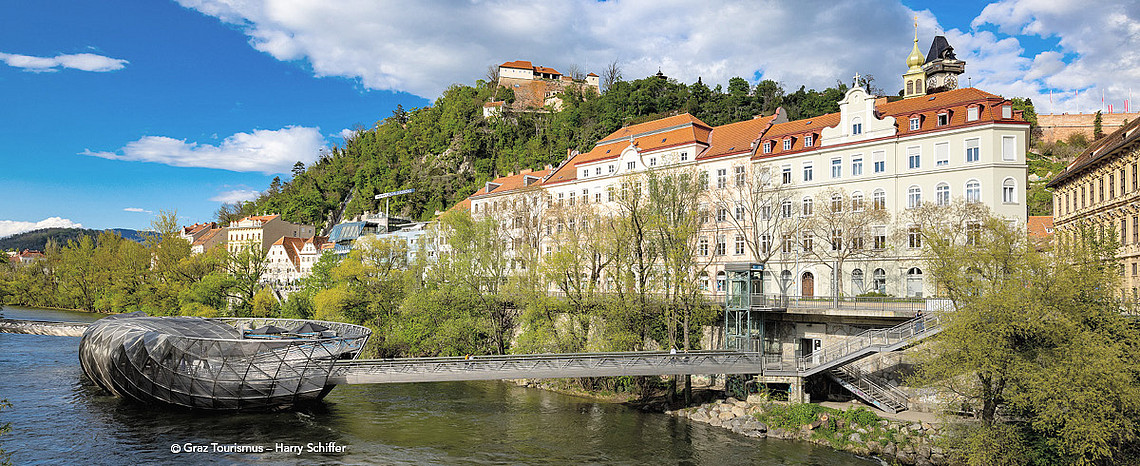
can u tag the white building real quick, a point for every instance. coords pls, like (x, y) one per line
(290, 258)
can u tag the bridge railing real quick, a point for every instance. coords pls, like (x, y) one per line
(926, 323)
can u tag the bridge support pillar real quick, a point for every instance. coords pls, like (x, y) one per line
(794, 386)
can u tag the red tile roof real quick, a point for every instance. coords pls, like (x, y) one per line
(796, 131)
(736, 138)
(543, 69)
(513, 181)
(207, 236)
(1040, 226)
(518, 64)
(652, 135)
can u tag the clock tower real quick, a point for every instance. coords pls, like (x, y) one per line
(942, 67)
(914, 81)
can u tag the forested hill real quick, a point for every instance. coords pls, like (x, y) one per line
(448, 150)
(38, 239)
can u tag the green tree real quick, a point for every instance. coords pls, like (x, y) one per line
(1036, 345)
(1098, 130)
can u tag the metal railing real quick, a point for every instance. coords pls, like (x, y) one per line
(928, 323)
(870, 388)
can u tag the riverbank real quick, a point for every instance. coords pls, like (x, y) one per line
(858, 430)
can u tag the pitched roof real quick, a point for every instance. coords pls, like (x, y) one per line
(796, 130)
(735, 138)
(1040, 226)
(543, 69)
(651, 135)
(935, 101)
(207, 236)
(513, 181)
(1101, 149)
(518, 64)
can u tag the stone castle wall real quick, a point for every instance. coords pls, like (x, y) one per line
(1058, 127)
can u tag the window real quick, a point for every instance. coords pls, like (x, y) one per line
(808, 207)
(611, 168)
(739, 171)
(597, 171)
(585, 196)
(913, 237)
(765, 212)
(703, 213)
(973, 233)
(972, 114)
(1008, 146)
(653, 161)
(1100, 189)
(1006, 111)
(719, 246)
(786, 174)
(788, 243)
(915, 123)
(879, 158)
(973, 153)
(597, 197)
(857, 201)
(942, 194)
(943, 119)
(880, 237)
(973, 191)
(1123, 231)
(786, 208)
(631, 165)
(787, 144)
(571, 201)
(1135, 229)
(808, 140)
(739, 214)
(836, 203)
(836, 240)
(585, 173)
(857, 281)
(856, 126)
(942, 154)
(879, 280)
(913, 157)
(609, 193)
(765, 243)
(721, 214)
(807, 241)
(684, 156)
(767, 147)
(807, 171)
(738, 245)
(836, 168)
(1009, 191)
(857, 165)
(913, 197)
(721, 178)
(879, 199)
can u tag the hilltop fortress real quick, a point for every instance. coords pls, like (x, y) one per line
(538, 86)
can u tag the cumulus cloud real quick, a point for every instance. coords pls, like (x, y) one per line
(266, 151)
(137, 209)
(77, 61)
(236, 196)
(13, 227)
(415, 48)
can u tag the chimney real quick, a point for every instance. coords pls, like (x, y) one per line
(548, 167)
(524, 171)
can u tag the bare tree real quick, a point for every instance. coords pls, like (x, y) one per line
(575, 71)
(845, 225)
(611, 74)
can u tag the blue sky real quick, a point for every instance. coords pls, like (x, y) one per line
(115, 110)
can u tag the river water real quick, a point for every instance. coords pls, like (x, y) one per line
(59, 417)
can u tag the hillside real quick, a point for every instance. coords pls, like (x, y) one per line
(446, 151)
(38, 239)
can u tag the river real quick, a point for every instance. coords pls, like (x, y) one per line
(59, 417)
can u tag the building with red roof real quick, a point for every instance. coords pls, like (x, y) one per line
(538, 86)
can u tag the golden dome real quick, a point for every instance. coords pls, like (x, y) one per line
(915, 59)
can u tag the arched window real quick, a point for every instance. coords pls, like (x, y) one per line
(879, 280)
(879, 199)
(786, 208)
(808, 204)
(703, 280)
(857, 201)
(913, 197)
(836, 203)
(857, 282)
(909, 87)
(973, 191)
(942, 194)
(914, 282)
(1009, 191)
(720, 281)
(785, 280)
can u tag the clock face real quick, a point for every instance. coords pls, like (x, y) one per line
(951, 82)
(931, 82)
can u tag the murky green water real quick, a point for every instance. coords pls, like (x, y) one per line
(58, 417)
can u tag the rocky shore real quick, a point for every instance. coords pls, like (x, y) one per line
(859, 430)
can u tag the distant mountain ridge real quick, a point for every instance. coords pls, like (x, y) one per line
(38, 239)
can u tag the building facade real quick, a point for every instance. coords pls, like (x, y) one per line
(289, 258)
(262, 231)
(1100, 190)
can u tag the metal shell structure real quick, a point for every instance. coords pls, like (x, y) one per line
(215, 364)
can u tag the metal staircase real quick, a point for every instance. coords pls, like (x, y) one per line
(869, 342)
(869, 388)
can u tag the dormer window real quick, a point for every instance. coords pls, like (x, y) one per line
(653, 161)
(631, 165)
(767, 147)
(972, 113)
(611, 168)
(808, 140)
(915, 123)
(787, 144)
(856, 126)
(684, 156)
(943, 119)
(1007, 111)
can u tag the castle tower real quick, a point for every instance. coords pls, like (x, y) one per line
(942, 67)
(915, 78)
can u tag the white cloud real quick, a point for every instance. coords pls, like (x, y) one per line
(78, 61)
(13, 227)
(265, 151)
(137, 209)
(236, 196)
(421, 47)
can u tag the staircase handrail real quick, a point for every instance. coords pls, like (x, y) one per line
(929, 319)
(858, 375)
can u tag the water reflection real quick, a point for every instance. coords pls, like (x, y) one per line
(60, 417)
